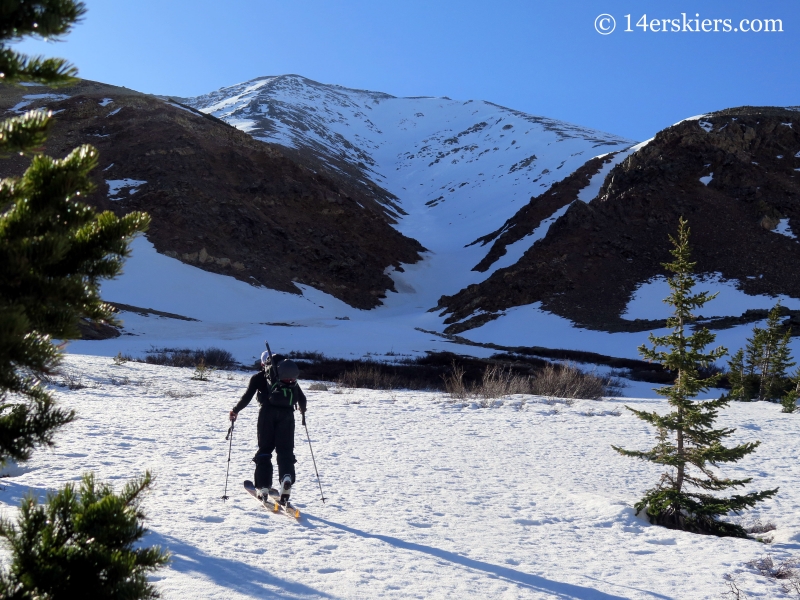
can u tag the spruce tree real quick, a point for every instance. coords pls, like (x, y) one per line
(789, 400)
(688, 445)
(760, 371)
(81, 544)
(54, 251)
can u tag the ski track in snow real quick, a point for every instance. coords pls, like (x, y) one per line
(443, 499)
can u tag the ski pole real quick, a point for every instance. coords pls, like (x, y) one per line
(229, 436)
(308, 437)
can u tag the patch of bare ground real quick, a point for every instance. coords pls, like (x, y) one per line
(222, 201)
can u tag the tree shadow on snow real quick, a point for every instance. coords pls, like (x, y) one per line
(534, 582)
(12, 492)
(230, 574)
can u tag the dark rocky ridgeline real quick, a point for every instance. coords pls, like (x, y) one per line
(221, 200)
(592, 259)
(530, 216)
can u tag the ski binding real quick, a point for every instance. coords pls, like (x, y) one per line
(272, 502)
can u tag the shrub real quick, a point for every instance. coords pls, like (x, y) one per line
(369, 375)
(454, 383)
(121, 359)
(568, 381)
(185, 357)
(553, 381)
(202, 371)
(499, 382)
(82, 544)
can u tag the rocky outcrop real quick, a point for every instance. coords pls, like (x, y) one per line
(220, 200)
(538, 209)
(734, 174)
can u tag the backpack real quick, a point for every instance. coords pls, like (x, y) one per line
(282, 395)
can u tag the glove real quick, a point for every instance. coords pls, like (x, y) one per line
(232, 416)
(303, 413)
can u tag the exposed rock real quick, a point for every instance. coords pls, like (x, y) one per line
(215, 193)
(93, 330)
(593, 258)
(539, 208)
(769, 222)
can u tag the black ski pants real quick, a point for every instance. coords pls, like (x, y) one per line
(275, 432)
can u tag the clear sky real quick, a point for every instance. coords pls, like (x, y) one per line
(543, 57)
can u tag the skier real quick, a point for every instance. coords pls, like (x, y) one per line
(278, 397)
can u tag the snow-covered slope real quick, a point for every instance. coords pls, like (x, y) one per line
(459, 169)
(405, 473)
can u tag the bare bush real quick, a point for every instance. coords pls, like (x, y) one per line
(733, 588)
(121, 359)
(784, 571)
(759, 527)
(369, 375)
(318, 387)
(498, 382)
(568, 381)
(180, 394)
(72, 380)
(768, 568)
(454, 383)
(185, 357)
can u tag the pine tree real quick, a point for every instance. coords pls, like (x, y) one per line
(687, 442)
(81, 545)
(789, 400)
(737, 377)
(760, 371)
(54, 251)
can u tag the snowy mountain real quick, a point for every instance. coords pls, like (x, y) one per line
(455, 170)
(403, 144)
(732, 174)
(359, 224)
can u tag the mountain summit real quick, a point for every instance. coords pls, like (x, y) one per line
(446, 171)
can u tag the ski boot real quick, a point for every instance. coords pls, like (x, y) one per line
(285, 489)
(266, 492)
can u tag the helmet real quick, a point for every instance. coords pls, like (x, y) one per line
(276, 358)
(288, 370)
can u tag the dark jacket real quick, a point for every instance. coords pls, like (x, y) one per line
(261, 383)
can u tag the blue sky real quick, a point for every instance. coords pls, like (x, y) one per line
(543, 57)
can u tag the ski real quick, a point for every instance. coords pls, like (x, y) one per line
(272, 503)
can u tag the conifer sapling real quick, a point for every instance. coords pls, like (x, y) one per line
(688, 445)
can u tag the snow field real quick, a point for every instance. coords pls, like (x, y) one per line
(525, 499)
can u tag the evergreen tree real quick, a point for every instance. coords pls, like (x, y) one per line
(80, 545)
(54, 250)
(738, 379)
(688, 444)
(760, 372)
(789, 400)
